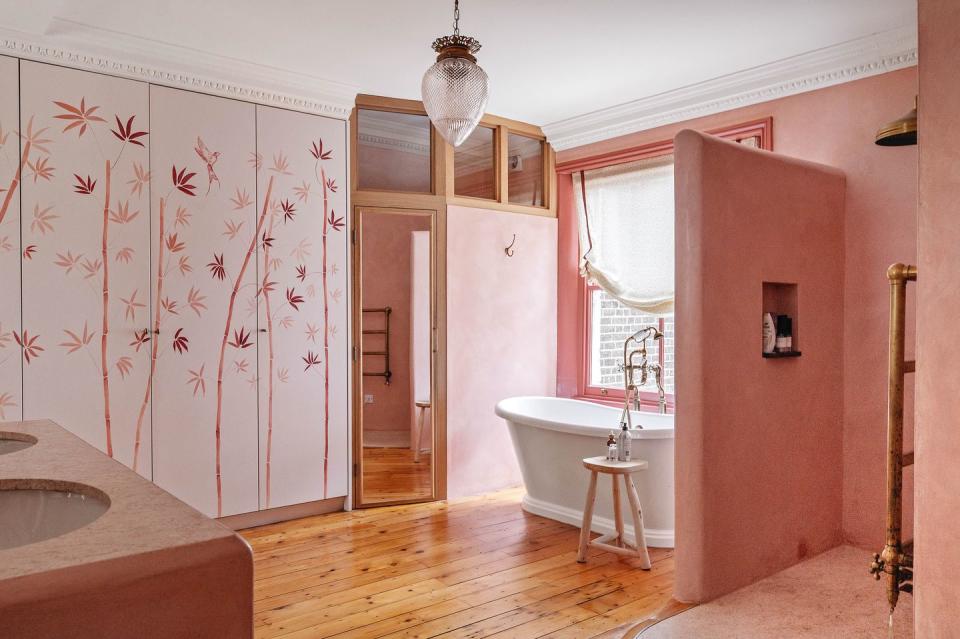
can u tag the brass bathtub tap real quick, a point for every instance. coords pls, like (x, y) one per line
(630, 387)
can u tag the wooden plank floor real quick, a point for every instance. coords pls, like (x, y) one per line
(390, 474)
(475, 567)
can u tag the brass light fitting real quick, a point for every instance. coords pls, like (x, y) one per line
(900, 132)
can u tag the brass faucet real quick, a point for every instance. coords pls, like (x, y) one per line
(630, 387)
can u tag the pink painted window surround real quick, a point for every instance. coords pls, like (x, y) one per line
(576, 303)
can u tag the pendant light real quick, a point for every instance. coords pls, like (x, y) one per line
(900, 132)
(455, 88)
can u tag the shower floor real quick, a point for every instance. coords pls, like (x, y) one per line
(826, 597)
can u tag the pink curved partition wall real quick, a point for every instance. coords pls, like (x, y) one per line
(938, 303)
(759, 441)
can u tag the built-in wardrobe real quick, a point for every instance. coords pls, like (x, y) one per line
(173, 273)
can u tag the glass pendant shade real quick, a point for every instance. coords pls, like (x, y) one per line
(454, 94)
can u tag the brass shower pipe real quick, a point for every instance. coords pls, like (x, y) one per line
(895, 562)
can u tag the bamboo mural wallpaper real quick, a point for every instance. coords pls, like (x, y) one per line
(13, 163)
(183, 284)
(85, 234)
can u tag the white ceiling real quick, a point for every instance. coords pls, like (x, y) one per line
(548, 60)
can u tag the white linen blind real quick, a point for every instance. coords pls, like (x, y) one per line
(626, 231)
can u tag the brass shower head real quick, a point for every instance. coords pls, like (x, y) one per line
(900, 132)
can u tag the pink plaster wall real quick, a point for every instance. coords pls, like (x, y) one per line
(938, 305)
(386, 282)
(501, 337)
(834, 126)
(759, 448)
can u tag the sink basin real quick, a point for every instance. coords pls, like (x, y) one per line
(12, 442)
(34, 510)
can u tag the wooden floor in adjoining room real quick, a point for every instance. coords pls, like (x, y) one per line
(475, 567)
(391, 474)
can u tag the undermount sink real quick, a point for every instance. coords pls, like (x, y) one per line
(12, 442)
(34, 510)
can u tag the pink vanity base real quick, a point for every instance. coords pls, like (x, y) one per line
(194, 591)
(149, 567)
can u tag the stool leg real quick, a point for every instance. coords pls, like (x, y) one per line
(587, 518)
(418, 431)
(637, 523)
(617, 512)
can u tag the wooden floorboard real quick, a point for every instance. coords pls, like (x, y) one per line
(469, 568)
(391, 474)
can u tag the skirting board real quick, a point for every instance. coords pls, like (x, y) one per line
(656, 538)
(283, 513)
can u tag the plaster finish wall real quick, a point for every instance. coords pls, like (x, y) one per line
(501, 337)
(938, 305)
(759, 447)
(834, 126)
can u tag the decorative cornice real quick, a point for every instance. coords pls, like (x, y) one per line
(91, 48)
(389, 142)
(853, 60)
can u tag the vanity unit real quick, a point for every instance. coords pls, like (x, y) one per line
(91, 549)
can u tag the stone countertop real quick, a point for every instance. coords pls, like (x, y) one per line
(142, 519)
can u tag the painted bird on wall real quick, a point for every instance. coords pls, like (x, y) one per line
(210, 157)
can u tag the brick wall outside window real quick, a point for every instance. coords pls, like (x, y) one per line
(611, 323)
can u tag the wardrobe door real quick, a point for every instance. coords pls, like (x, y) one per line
(303, 311)
(204, 276)
(85, 234)
(10, 158)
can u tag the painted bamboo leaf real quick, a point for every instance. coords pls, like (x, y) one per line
(180, 342)
(77, 340)
(81, 116)
(125, 132)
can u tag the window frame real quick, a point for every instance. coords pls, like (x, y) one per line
(648, 399)
(762, 129)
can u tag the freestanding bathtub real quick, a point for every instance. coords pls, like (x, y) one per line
(551, 436)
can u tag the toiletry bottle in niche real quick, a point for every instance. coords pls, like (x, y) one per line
(624, 444)
(784, 334)
(769, 333)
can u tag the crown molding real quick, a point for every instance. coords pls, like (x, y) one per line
(90, 48)
(853, 60)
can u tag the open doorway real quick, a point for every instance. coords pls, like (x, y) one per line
(395, 338)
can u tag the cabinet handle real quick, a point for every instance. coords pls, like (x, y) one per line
(263, 330)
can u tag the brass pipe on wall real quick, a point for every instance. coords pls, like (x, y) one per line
(895, 562)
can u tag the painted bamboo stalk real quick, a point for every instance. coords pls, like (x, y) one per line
(15, 181)
(226, 336)
(106, 308)
(156, 339)
(266, 302)
(326, 341)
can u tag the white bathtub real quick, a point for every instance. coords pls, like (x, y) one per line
(551, 436)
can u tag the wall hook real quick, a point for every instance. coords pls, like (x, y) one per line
(509, 249)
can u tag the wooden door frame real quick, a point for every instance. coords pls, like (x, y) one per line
(438, 277)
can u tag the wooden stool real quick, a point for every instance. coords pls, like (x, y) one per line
(417, 436)
(614, 543)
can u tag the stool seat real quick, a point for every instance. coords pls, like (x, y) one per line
(615, 543)
(603, 465)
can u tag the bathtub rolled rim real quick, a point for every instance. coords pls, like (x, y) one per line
(508, 410)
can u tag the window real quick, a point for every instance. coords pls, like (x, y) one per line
(475, 165)
(605, 322)
(394, 151)
(609, 324)
(525, 170)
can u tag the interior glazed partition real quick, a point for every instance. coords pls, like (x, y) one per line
(183, 283)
